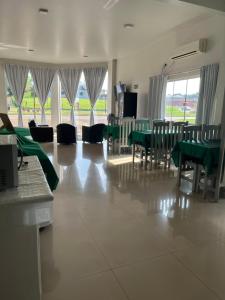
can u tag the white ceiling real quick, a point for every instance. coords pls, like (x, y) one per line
(74, 28)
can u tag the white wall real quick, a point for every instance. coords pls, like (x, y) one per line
(138, 67)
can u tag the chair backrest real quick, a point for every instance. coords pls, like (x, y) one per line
(113, 120)
(160, 138)
(142, 124)
(180, 123)
(32, 123)
(177, 132)
(125, 128)
(156, 121)
(211, 132)
(192, 133)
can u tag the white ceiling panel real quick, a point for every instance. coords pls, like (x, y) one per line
(75, 28)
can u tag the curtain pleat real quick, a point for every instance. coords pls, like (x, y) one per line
(156, 103)
(17, 78)
(42, 77)
(94, 78)
(208, 84)
(70, 79)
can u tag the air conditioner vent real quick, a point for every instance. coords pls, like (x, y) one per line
(191, 49)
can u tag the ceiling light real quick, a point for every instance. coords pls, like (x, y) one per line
(30, 50)
(85, 56)
(128, 26)
(43, 11)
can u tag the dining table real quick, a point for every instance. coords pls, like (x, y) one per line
(202, 153)
(205, 153)
(145, 140)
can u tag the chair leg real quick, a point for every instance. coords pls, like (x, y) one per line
(133, 150)
(195, 178)
(205, 186)
(146, 158)
(179, 171)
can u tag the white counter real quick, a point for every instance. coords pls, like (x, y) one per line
(23, 210)
(31, 202)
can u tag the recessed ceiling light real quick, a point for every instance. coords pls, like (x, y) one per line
(43, 11)
(85, 56)
(128, 26)
(30, 50)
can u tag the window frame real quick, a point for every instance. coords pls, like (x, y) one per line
(181, 77)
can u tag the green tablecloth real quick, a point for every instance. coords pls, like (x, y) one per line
(19, 131)
(144, 138)
(29, 148)
(206, 154)
(111, 131)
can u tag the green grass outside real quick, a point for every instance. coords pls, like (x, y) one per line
(82, 108)
(179, 115)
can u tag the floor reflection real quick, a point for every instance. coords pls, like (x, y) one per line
(110, 215)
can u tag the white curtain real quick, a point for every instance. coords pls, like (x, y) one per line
(70, 79)
(17, 78)
(94, 78)
(42, 77)
(208, 84)
(156, 101)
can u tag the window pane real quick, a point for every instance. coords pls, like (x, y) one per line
(82, 106)
(192, 99)
(12, 105)
(31, 108)
(181, 100)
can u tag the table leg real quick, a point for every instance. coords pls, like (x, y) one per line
(195, 178)
(205, 186)
(133, 152)
(146, 158)
(179, 170)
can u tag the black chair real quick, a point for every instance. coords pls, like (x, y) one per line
(93, 134)
(40, 134)
(66, 134)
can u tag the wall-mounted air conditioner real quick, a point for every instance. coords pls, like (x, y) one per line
(196, 47)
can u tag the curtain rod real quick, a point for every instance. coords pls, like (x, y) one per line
(184, 72)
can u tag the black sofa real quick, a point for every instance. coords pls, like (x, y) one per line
(40, 134)
(66, 134)
(93, 134)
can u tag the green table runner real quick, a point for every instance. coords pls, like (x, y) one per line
(206, 154)
(29, 148)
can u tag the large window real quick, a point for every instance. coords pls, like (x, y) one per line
(182, 99)
(83, 107)
(31, 108)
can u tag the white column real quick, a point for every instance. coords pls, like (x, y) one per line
(3, 98)
(56, 95)
(111, 83)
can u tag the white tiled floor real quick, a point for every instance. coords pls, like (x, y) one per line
(125, 233)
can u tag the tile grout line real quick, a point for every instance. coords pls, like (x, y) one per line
(124, 265)
(120, 285)
(196, 276)
(106, 259)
